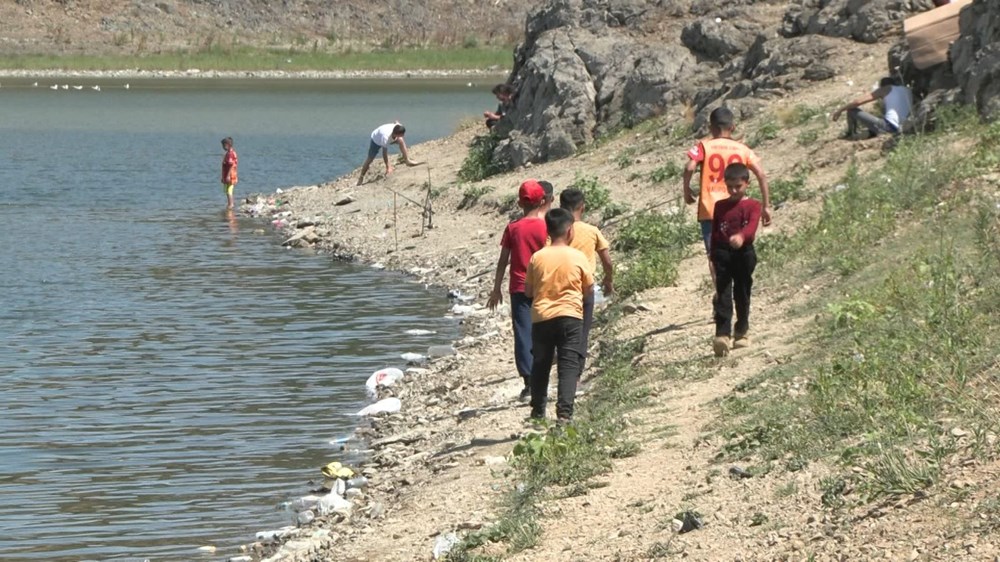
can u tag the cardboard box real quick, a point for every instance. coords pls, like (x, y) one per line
(931, 33)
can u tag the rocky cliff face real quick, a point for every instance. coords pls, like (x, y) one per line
(144, 26)
(584, 68)
(975, 57)
(590, 66)
(862, 20)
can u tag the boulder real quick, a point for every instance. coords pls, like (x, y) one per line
(866, 21)
(581, 72)
(975, 57)
(972, 74)
(717, 39)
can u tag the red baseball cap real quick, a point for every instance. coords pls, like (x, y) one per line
(531, 193)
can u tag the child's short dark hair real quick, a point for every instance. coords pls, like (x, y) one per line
(549, 189)
(398, 131)
(737, 171)
(722, 118)
(228, 141)
(503, 89)
(888, 81)
(572, 199)
(558, 221)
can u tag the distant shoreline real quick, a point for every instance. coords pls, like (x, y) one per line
(195, 74)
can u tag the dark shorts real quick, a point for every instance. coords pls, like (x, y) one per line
(706, 235)
(373, 150)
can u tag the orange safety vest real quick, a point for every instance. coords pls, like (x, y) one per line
(718, 153)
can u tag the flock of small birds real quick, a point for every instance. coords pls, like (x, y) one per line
(95, 87)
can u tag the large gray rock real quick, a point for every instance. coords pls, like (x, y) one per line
(975, 57)
(862, 20)
(580, 72)
(720, 40)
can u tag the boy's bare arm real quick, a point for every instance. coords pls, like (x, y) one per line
(867, 98)
(496, 296)
(765, 193)
(689, 170)
(608, 283)
(406, 155)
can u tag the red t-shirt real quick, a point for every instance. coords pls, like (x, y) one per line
(731, 217)
(229, 163)
(523, 237)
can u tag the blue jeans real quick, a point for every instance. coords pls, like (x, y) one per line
(520, 315)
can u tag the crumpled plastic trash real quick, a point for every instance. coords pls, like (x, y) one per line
(385, 406)
(443, 545)
(383, 377)
(337, 470)
(419, 332)
(333, 502)
(413, 358)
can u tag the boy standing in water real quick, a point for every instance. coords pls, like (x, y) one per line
(381, 138)
(713, 155)
(521, 239)
(229, 163)
(589, 240)
(734, 226)
(558, 277)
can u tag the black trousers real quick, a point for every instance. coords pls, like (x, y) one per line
(565, 334)
(733, 281)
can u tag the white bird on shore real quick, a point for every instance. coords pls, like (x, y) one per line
(35, 85)
(54, 87)
(126, 86)
(75, 87)
(96, 88)
(65, 86)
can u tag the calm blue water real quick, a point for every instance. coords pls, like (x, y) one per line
(169, 375)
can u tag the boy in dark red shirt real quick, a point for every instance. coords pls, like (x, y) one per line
(521, 239)
(734, 226)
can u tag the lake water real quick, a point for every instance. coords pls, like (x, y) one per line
(170, 376)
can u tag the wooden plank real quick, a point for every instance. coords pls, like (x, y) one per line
(931, 33)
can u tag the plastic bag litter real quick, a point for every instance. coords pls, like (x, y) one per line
(413, 358)
(443, 545)
(386, 406)
(384, 377)
(337, 470)
(419, 332)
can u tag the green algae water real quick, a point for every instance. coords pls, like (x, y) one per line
(170, 375)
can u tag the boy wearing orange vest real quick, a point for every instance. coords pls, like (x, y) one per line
(713, 155)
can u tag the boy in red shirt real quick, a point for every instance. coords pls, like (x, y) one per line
(734, 226)
(712, 156)
(229, 163)
(521, 239)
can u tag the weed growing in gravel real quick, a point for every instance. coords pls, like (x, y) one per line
(651, 245)
(479, 163)
(598, 196)
(472, 194)
(666, 172)
(768, 130)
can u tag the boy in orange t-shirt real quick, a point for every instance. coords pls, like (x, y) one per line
(713, 155)
(558, 276)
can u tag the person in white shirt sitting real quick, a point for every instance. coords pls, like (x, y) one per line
(897, 100)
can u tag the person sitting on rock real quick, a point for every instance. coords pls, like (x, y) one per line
(898, 102)
(504, 94)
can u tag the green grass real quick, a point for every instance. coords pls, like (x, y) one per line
(651, 245)
(905, 337)
(472, 194)
(242, 58)
(560, 461)
(479, 163)
(597, 197)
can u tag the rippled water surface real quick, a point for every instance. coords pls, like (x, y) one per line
(170, 375)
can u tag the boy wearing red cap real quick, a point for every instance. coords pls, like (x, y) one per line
(521, 239)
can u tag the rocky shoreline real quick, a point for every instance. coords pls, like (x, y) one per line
(194, 73)
(437, 391)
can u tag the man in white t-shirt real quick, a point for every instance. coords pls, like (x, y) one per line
(897, 101)
(382, 137)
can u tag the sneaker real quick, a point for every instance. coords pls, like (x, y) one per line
(525, 395)
(721, 346)
(741, 341)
